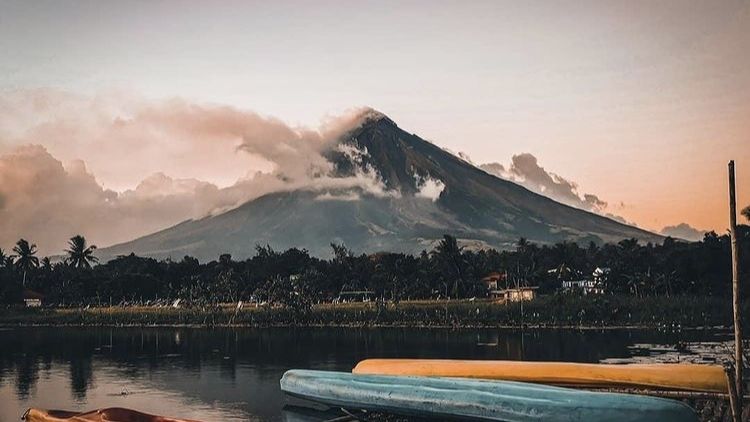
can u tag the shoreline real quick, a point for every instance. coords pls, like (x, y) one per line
(546, 313)
(379, 326)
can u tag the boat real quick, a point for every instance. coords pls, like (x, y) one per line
(480, 400)
(111, 414)
(678, 377)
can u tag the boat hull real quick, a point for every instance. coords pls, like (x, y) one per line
(477, 399)
(112, 414)
(684, 377)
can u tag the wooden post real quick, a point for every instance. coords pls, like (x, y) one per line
(735, 401)
(735, 286)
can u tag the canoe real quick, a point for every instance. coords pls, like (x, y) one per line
(480, 400)
(112, 414)
(683, 377)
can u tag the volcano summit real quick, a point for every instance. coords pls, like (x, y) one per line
(407, 194)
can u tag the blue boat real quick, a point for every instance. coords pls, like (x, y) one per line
(478, 399)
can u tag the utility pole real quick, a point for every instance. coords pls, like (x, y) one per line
(736, 298)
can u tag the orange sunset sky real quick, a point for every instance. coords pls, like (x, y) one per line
(640, 103)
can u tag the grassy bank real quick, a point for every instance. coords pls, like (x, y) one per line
(548, 311)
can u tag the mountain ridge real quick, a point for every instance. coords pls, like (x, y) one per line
(463, 200)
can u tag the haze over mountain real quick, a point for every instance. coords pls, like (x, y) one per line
(683, 231)
(383, 189)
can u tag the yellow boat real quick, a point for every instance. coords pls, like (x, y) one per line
(683, 377)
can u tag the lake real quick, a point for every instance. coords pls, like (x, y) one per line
(232, 374)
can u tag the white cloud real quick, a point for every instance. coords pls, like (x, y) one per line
(47, 202)
(526, 171)
(430, 188)
(343, 196)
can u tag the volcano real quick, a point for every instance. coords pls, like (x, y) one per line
(425, 192)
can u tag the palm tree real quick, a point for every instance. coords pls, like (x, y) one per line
(563, 272)
(46, 264)
(449, 258)
(4, 258)
(25, 259)
(746, 212)
(526, 261)
(79, 254)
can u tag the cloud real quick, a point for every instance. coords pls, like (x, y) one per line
(464, 156)
(162, 162)
(526, 171)
(343, 196)
(123, 139)
(429, 188)
(48, 202)
(496, 169)
(44, 201)
(683, 231)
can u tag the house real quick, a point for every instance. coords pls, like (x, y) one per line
(518, 294)
(494, 280)
(595, 285)
(31, 298)
(600, 275)
(586, 286)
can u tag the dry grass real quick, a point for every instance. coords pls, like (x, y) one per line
(547, 311)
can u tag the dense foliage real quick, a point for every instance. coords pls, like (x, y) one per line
(298, 280)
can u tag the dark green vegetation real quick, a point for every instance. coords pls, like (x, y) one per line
(373, 201)
(673, 282)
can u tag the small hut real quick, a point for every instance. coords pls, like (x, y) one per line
(31, 298)
(518, 294)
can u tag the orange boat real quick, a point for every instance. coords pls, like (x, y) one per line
(111, 414)
(685, 377)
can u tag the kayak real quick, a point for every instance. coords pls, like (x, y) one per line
(685, 377)
(480, 400)
(112, 414)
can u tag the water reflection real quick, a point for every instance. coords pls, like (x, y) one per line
(233, 374)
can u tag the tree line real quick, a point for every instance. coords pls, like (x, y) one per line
(293, 277)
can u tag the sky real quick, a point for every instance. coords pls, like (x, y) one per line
(640, 103)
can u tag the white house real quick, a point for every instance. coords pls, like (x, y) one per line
(31, 298)
(586, 286)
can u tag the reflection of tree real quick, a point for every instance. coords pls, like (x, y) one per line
(229, 360)
(81, 376)
(27, 374)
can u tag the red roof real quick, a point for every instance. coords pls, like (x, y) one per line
(494, 276)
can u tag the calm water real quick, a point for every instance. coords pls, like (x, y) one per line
(233, 374)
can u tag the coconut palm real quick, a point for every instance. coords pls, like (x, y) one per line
(79, 254)
(562, 272)
(450, 260)
(5, 259)
(25, 257)
(46, 264)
